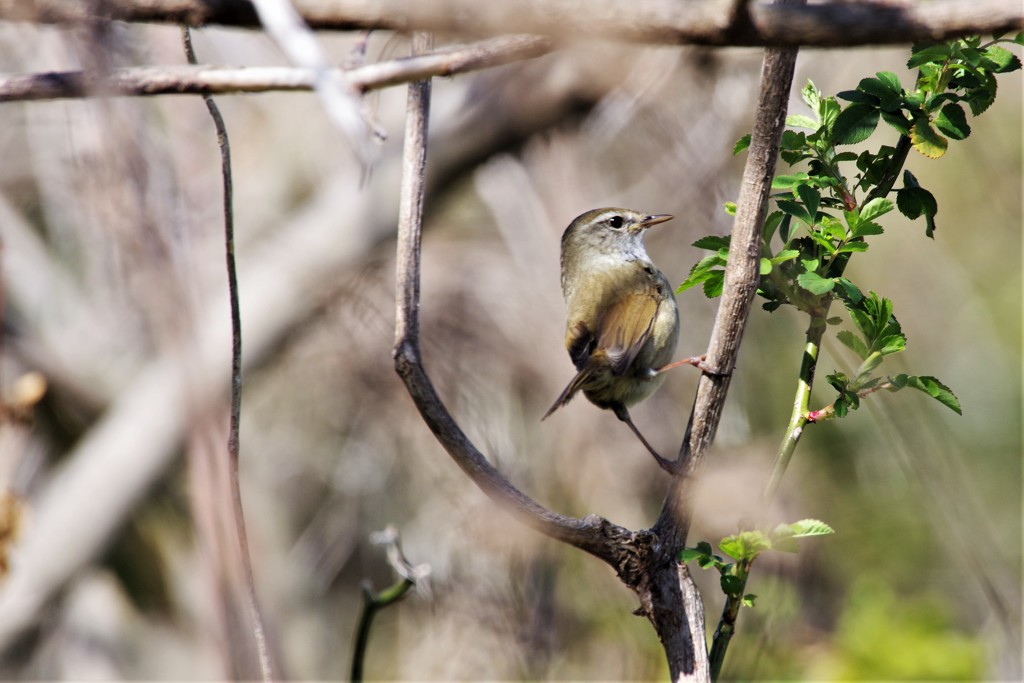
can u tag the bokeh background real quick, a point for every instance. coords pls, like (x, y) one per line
(112, 258)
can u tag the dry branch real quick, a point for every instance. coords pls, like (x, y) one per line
(223, 79)
(706, 22)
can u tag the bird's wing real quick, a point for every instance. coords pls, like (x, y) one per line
(625, 328)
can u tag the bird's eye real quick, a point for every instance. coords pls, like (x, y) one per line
(615, 222)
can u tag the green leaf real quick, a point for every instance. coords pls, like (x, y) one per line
(851, 247)
(730, 208)
(898, 121)
(712, 243)
(853, 342)
(931, 386)
(691, 554)
(746, 545)
(731, 585)
(771, 224)
(857, 96)
(953, 122)
(829, 110)
(785, 255)
(981, 96)
(748, 600)
(891, 80)
(1004, 60)
(814, 283)
(927, 140)
(801, 121)
(713, 285)
(923, 53)
(914, 201)
(855, 124)
(765, 267)
(806, 528)
(879, 206)
(810, 95)
(795, 210)
(1019, 38)
(848, 291)
(741, 144)
(788, 182)
(810, 198)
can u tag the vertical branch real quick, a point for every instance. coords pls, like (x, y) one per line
(236, 372)
(410, 208)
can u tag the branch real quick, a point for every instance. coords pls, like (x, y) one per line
(208, 80)
(592, 534)
(259, 631)
(705, 22)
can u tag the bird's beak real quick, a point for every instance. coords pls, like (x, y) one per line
(648, 221)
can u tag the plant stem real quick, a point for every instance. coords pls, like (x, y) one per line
(801, 401)
(727, 623)
(371, 605)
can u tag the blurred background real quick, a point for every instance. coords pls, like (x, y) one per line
(114, 292)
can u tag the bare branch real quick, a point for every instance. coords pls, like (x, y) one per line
(592, 533)
(707, 22)
(208, 80)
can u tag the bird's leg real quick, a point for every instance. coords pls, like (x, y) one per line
(696, 361)
(667, 465)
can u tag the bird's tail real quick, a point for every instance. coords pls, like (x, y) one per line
(570, 390)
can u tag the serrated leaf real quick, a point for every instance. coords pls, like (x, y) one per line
(712, 242)
(810, 95)
(853, 342)
(867, 228)
(922, 54)
(927, 140)
(1004, 60)
(794, 209)
(746, 545)
(891, 80)
(713, 285)
(788, 182)
(893, 344)
(1019, 38)
(851, 247)
(953, 122)
(785, 255)
(811, 198)
(855, 124)
(857, 96)
(879, 206)
(933, 387)
(741, 144)
(848, 292)
(786, 228)
(801, 121)
(814, 283)
(806, 528)
(981, 97)
(898, 121)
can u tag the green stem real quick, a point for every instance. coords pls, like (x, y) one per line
(801, 401)
(371, 605)
(727, 623)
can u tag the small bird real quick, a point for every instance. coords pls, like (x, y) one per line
(622, 321)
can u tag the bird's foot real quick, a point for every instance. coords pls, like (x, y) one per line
(696, 361)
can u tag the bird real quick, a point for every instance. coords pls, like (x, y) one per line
(622, 320)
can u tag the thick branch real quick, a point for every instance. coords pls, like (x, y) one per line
(707, 22)
(222, 79)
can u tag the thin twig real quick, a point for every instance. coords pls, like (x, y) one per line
(176, 80)
(706, 22)
(259, 631)
(340, 99)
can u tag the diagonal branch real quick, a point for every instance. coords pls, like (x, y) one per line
(706, 22)
(209, 80)
(592, 534)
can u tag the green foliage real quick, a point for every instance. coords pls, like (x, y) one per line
(745, 547)
(829, 210)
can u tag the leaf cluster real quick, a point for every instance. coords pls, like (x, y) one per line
(745, 547)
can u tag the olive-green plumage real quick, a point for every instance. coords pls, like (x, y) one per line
(622, 321)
